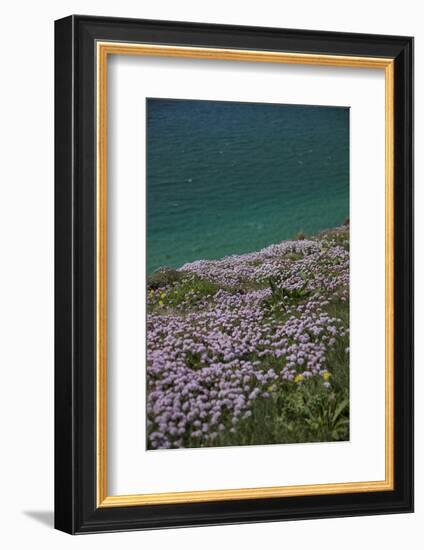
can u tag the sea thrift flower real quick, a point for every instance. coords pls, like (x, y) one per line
(264, 323)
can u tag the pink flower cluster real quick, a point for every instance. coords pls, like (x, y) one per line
(207, 365)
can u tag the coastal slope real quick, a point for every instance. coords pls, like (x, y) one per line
(251, 349)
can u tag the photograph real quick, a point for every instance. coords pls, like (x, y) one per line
(247, 273)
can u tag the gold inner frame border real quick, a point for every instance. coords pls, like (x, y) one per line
(103, 50)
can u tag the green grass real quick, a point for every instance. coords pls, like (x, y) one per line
(188, 291)
(297, 412)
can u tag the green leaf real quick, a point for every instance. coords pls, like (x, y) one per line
(339, 409)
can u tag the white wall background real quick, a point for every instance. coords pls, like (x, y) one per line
(26, 272)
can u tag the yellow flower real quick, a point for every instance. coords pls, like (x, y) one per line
(299, 378)
(160, 303)
(326, 376)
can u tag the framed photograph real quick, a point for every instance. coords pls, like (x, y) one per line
(234, 274)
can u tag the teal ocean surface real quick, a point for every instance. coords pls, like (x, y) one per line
(227, 178)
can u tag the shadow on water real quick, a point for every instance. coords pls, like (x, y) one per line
(46, 517)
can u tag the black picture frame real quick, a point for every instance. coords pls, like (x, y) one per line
(76, 508)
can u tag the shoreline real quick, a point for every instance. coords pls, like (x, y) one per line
(300, 236)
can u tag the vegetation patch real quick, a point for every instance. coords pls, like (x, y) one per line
(251, 349)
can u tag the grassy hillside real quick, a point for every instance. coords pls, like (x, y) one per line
(251, 349)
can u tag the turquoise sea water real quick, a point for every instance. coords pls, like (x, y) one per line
(227, 178)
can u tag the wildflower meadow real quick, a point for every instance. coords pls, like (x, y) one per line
(251, 349)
